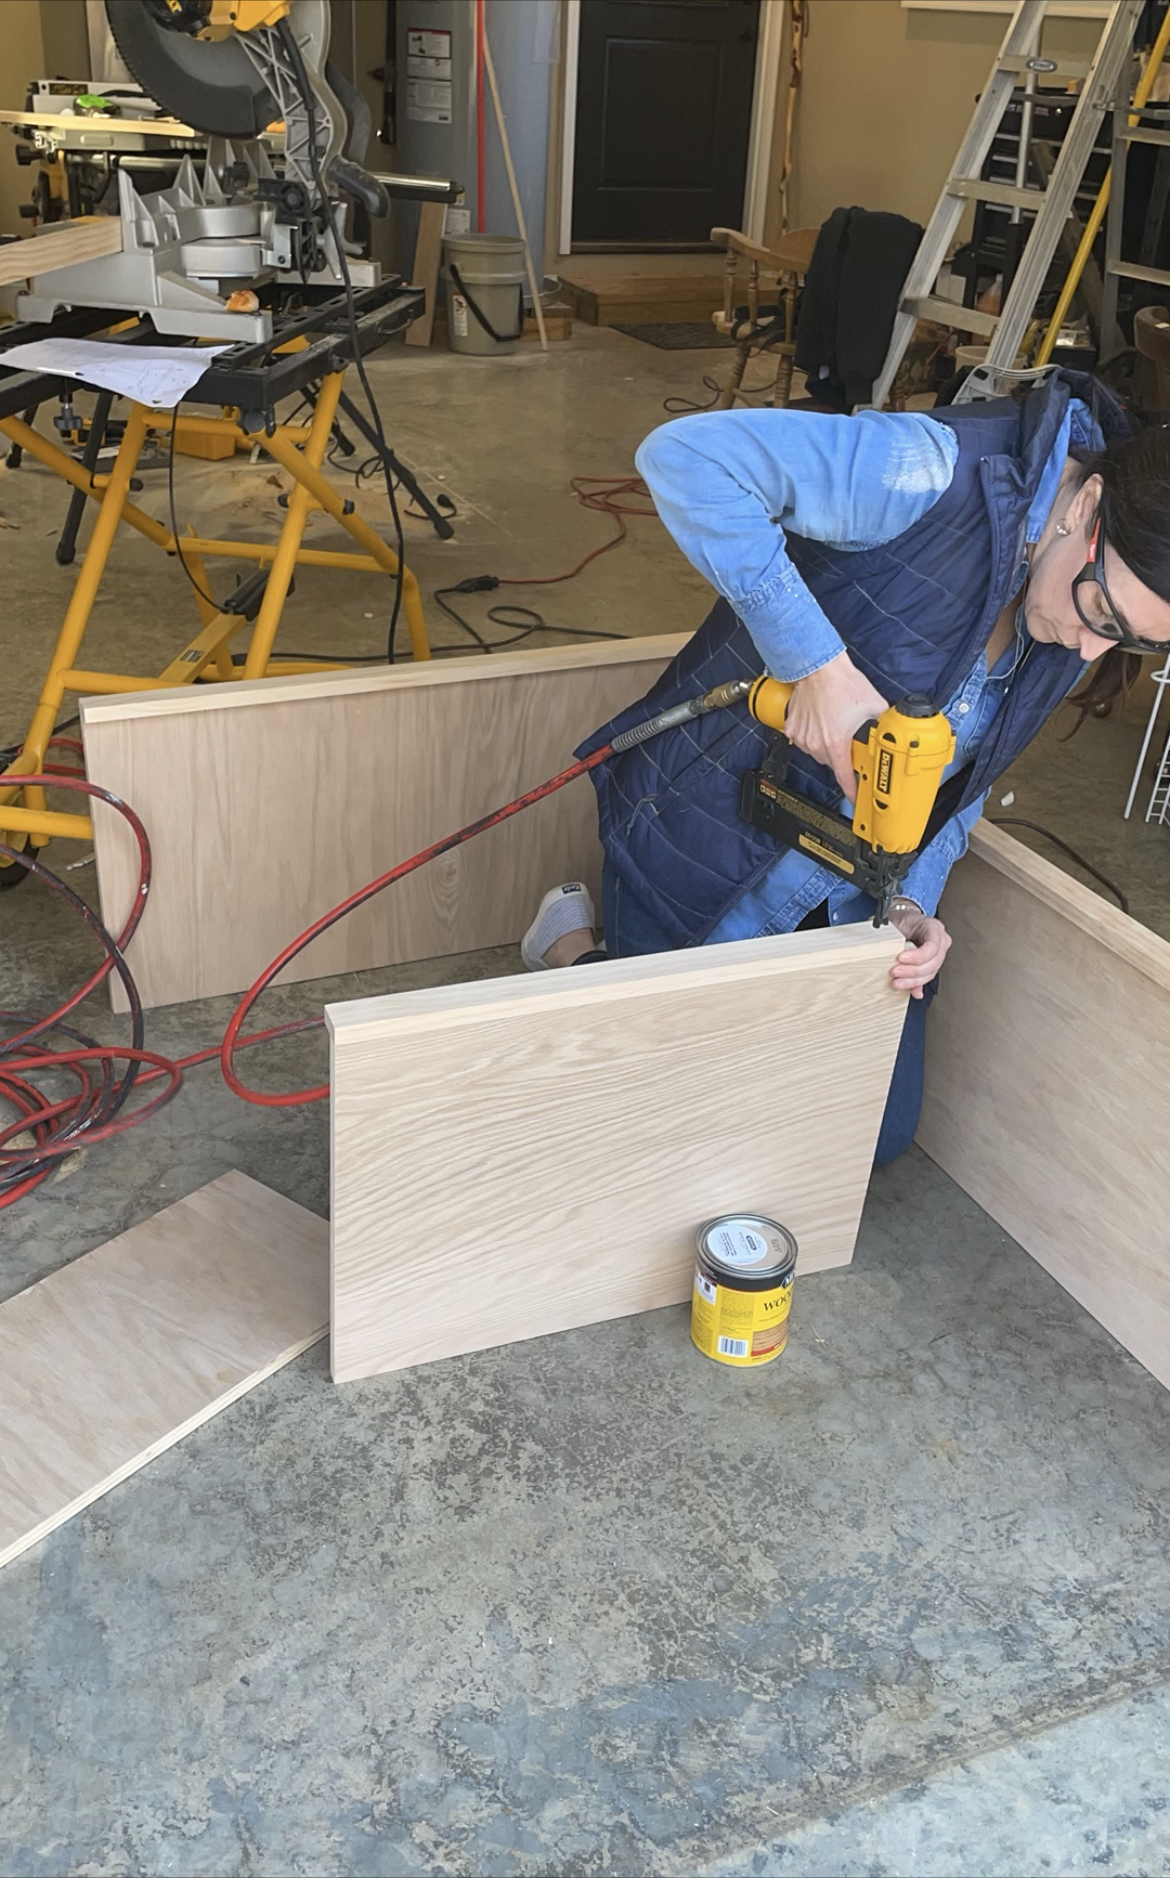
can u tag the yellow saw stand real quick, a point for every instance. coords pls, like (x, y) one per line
(298, 449)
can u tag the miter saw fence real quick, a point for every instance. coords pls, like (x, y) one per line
(197, 257)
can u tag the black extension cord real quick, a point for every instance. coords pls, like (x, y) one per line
(525, 621)
(1013, 821)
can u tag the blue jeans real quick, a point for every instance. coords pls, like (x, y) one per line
(630, 931)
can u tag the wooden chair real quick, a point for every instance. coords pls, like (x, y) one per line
(787, 263)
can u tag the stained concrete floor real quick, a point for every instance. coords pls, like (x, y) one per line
(897, 1604)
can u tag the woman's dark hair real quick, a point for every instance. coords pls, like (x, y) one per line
(1111, 678)
(1135, 502)
(1135, 521)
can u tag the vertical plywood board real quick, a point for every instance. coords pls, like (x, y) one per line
(521, 1156)
(113, 1359)
(428, 251)
(269, 801)
(1048, 1051)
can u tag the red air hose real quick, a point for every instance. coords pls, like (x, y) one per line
(231, 1035)
(92, 1112)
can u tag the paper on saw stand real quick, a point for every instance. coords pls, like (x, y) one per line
(158, 376)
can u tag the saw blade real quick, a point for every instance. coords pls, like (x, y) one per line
(210, 84)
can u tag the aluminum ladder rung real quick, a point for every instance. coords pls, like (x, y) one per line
(1141, 133)
(1044, 68)
(967, 319)
(1133, 270)
(1003, 195)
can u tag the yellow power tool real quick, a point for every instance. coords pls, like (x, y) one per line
(899, 759)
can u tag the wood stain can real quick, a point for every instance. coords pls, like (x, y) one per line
(743, 1289)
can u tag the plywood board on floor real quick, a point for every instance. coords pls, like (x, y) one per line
(525, 1155)
(1046, 1072)
(268, 801)
(113, 1359)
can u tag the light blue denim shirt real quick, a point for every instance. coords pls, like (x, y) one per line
(727, 485)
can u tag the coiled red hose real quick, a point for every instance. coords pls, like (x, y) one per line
(95, 1108)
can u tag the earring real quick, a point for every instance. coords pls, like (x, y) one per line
(1061, 529)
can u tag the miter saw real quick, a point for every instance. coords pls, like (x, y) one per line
(197, 257)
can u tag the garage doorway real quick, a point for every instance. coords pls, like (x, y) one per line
(668, 120)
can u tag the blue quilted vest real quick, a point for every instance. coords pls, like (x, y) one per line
(914, 615)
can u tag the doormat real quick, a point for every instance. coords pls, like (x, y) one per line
(678, 335)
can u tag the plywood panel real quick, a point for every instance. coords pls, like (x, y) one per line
(1046, 1072)
(86, 239)
(116, 1357)
(428, 251)
(269, 801)
(524, 1155)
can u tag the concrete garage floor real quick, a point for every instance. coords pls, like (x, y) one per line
(899, 1603)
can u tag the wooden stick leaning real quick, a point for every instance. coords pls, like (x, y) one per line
(489, 67)
(428, 252)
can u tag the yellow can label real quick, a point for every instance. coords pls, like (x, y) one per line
(739, 1327)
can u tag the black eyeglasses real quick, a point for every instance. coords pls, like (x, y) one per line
(1096, 609)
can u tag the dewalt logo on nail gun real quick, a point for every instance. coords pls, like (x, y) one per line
(885, 771)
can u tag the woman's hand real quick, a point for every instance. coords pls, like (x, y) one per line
(929, 943)
(824, 712)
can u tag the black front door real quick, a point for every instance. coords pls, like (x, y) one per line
(664, 102)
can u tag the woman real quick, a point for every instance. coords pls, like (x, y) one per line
(983, 555)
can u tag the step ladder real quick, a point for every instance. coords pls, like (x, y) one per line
(1102, 78)
(1152, 127)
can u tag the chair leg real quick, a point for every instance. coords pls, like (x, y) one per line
(782, 389)
(730, 390)
(786, 353)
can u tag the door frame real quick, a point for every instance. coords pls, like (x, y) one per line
(759, 157)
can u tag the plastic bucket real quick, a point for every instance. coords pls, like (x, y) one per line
(484, 276)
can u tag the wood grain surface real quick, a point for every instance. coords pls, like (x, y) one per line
(87, 239)
(428, 252)
(1046, 1068)
(523, 1155)
(268, 801)
(117, 1356)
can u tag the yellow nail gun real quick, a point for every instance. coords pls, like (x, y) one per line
(899, 759)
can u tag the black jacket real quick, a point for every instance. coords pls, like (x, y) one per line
(849, 301)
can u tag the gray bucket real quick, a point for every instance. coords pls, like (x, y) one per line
(484, 276)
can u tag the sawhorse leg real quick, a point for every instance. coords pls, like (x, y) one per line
(32, 757)
(67, 546)
(409, 481)
(299, 504)
(304, 466)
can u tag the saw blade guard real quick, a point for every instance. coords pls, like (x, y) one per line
(233, 87)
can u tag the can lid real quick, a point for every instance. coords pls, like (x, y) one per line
(747, 1244)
